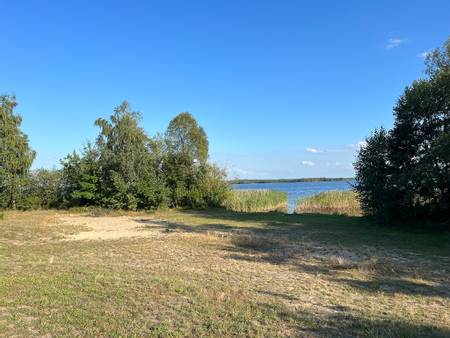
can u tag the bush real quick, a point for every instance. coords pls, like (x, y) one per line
(256, 201)
(330, 202)
(210, 190)
(41, 190)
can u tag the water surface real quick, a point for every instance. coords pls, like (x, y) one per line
(298, 190)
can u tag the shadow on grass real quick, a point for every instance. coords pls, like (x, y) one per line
(342, 230)
(398, 285)
(273, 224)
(342, 323)
(309, 243)
(176, 226)
(348, 325)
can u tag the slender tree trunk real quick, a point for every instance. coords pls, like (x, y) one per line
(12, 202)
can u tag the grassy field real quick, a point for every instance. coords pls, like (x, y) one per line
(219, 273)
(256, 201)
(330, 202)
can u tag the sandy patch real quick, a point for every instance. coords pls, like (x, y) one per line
(107, 228)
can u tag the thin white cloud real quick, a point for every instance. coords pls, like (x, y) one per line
(338, 165)
(308, 163)
(338, 150)
(314, 150)
(394, 42)
(423, 55)
(359, 145)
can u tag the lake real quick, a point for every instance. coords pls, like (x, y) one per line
(296, 190)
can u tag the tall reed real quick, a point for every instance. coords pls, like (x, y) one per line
(256, 201)
(330, 202)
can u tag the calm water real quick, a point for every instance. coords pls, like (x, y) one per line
(297, 190)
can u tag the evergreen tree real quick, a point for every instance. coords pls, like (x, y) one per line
(80, 178)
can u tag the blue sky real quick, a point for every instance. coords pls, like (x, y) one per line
(282, 88)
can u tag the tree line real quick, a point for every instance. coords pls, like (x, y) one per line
(123, 168)
(291, 180)
(404, 173)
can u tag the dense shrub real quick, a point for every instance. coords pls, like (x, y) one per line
(404, 173)
(42, 190)
(210, 189)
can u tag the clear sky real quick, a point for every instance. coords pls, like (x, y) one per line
(282, 88)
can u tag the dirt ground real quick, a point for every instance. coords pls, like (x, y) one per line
(107, 228)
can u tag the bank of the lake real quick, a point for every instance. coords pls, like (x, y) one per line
(296, 190)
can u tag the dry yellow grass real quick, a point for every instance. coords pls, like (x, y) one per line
(330, 202)
(217, 273)
(256, 201)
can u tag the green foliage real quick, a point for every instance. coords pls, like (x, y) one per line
(16, 156)
(405, 174)
(42, 190)
(185, 162)
(80, 178)
(126, 169)
(372, 173)
(438, 60)
(256, 201)
(210, 188)
(330, 202)
(186, 139)
(128, 177)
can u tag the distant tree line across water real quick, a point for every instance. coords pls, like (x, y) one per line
(291, 180)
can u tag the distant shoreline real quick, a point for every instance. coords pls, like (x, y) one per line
(290, 180)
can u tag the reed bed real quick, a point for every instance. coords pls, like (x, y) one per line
(256, 201)
(330, 202)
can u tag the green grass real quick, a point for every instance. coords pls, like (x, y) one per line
(256, 201)
(221, 273)
(330, 202)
